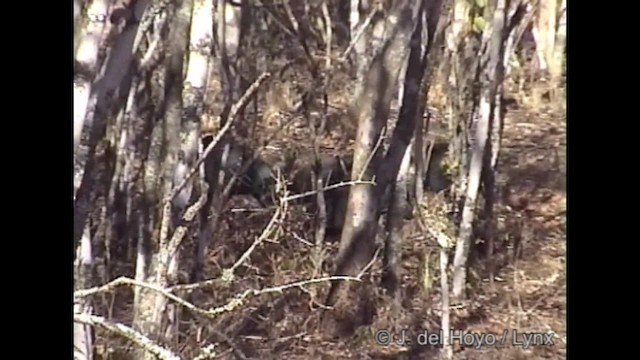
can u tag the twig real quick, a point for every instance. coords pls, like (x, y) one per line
(330, 187)
(179, 233)
(369, 265)
(301, 39)
(275, 18)
(299, 238)
(359, 33)
(241, 298)
(265, 234)
(126, 332)
(371, 155)
(292, 18)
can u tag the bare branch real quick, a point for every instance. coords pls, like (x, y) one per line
(371, 155)
(241, 298)
(369, 265)
(131, 282)
(265, 234)
(181, 230)
(359, 33)
(330, 187)
(128, 333)
(292, 18)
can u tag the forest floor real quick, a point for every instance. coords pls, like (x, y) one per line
(526, 297)
(526, 294)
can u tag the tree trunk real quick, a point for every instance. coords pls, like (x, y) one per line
(460, 66)
(370, 110)
(193, 100)
(78, 21)
(86, 63)
(412, 103)
(489, 78)
(101, 105)
(437, 15)
(398, 162)
(399, 207)
(152, 306)
(83, 334)
(545, 43)
(358, 12)
(556, 66)
(447, 349)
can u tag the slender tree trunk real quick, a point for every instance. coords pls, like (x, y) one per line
(399, 154)
(556, 67)
(412, 105)
(546, 25)
(447, 349)
(180, 155)
(399, 207)
(193, 99)
(228, 32)
(359, 11)
(485, 111)
(460, 69)
(83, 334)
(437, 14)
